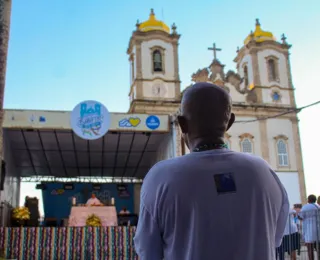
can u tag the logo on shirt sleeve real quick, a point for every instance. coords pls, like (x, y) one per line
(225, 183)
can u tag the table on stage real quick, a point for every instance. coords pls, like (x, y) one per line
(79, 215)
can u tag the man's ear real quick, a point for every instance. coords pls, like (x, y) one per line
(231, 120)
(183, 124)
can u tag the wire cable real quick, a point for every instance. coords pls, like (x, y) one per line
(297, 110)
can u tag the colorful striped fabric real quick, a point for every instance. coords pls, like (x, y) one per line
(68, 243)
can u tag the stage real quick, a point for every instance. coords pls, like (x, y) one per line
(68, 243)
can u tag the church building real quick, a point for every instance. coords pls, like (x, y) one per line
(261, 89)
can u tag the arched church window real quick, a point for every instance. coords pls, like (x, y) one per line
(246, 76)
(157, 61)
(246, 146)
(282, 153)
(272, 70)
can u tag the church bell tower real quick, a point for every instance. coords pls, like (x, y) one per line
(154, 68)
(264, 65)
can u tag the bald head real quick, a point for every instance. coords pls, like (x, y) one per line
(205, 111)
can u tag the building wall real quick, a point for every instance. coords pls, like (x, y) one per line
(236, 96)
(290, 181)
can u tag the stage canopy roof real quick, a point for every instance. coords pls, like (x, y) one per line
(43, 144)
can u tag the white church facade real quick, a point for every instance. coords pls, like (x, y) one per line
(261, 90)
(37, 143)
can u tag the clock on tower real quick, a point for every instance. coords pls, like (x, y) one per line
(159, 90)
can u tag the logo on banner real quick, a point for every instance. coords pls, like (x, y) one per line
(32, 118)
(153, 122)
(90, 120)
(129, 122)
(42, 119)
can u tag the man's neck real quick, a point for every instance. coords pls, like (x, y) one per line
(196, 142)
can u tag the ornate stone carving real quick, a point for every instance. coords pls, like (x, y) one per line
(246, 135)
(217, 71)
(215, 74)
(235, 80)
(283, 137)
(202, 75)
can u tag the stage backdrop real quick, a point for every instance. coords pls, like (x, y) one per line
(57, 199)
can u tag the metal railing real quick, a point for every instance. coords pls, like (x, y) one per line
(301, 240)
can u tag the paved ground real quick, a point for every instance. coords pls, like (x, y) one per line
(303, 254)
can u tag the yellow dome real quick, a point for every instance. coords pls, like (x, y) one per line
(259, 35)
(153, 25)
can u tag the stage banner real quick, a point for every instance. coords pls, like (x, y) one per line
(57, 197)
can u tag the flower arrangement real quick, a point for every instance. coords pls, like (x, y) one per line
(93, 221)
(21, 213)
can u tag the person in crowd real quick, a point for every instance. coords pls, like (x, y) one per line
(297, 208)
(124, 211)
(213, 203)
(26, 201)
(318, 201)
(309, 215)
(124, 220)
(291, 240)
(93, 201)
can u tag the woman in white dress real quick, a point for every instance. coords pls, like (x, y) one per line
(309, 215)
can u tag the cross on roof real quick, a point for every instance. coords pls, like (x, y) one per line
(214, 49)
(283, 38)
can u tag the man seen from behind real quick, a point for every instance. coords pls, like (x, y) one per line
(213, 203)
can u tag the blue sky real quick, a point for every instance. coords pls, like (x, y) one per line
(62, 52)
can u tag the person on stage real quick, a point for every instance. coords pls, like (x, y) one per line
(93, 201)
(124, 211)
(213, 203)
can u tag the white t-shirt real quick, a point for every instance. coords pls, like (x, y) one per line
(310, 214)
(93, 201)
(291, 226)
(122, 212)
(215, 204)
